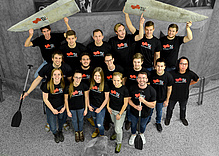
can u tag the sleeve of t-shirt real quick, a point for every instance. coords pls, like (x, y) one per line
(194, 76)
(181, 39)
(86, 88)
(106, 88)
(170, 79)
(43, 71)
(44, 88)
(126, 92)
(158, 47)
(36, 42)
(153, 94)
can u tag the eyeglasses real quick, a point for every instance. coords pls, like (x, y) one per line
(184, 64)
(78, 78)
(108, 60)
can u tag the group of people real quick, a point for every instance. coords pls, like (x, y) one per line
(110, 82)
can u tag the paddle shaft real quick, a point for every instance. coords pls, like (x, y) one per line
(139, 120)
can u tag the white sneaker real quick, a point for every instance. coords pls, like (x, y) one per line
(132, 139)
(143, 138)
(47, 128)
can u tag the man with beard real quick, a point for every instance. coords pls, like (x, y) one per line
(171, 44)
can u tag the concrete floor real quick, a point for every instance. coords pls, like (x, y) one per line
(200, 138)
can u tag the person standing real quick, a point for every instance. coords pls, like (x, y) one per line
(53, 97)
(117, 108)
(76, 102)
(99, 96)
(171, 44)
(144, 93)
(183, 78)
(162, 82)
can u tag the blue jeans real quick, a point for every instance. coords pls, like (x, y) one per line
(134, 121)
(98, 119)
(89, 115)
(77, 119)
(159, 107)
(171, 105)
(51, 119)
(170, 68)
(128, 113)
(39, 68)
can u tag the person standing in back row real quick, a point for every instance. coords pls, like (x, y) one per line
(171, 44)
(183, 78)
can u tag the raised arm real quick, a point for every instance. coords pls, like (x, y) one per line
(141, 29)
(131, 28)
(189, 32)
(28, 43)
(66, 23)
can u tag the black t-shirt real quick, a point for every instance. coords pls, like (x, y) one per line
(109, 74)
(72, 55)
(160, 84)
(97, 97)
(98, 52)
(122, 50)
(47, 47)
(149, 94)
(132, 76)
(86, 75)
(170, 49)
(117, 96)
(77, 99)
(45, 72)
(57, 98)
(180, 88)
(147, 47)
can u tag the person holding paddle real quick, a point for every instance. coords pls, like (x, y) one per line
(99, 96)
(53, 97)
(76, 101)
(117, 108)
(142, 98)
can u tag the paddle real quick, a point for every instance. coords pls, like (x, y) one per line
(16, 120)
(138, 140)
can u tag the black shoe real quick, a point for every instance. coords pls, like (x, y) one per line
(185, 122)
(127, 125)
(159, 127)
(61, 136)
(167, 122)
(106, 126)
(56, 137)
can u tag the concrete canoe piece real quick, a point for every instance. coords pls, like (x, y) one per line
(161, 11)
(49, 15)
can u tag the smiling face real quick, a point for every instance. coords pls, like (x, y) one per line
(46, 32)
(149, 30)
(85, 61)
(160, 67)
(57, 77)
(57, 60)
(121, 32)
(71, 40)
(142, 80)
(109, 61)
(172, 33)
(97, 77)
(137, 64)
(117, 81)
(77, 79)
(183, 65)
(98, 38)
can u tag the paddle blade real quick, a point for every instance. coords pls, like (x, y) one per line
(16, 120)
(138, 142)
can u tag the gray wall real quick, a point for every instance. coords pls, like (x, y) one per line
(14, 57)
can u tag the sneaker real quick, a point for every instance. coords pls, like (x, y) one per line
(118, 148)
(95, 133)
(77, 139)
(113, 137)
(185, 122)
(132, 139)
(143, 138)
(106, 126)
(81, 136)
(56, 137)
(66, 126)
(159, 127)
(91, 121)
(167, 122)
(47, 128)
(61, 136)
(127, 125)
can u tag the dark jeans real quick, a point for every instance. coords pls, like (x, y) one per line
(77, 119)
(171, 106)
(159, 107)
(51, 119)
(134, 121)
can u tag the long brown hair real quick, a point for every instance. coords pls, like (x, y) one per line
(50, 84)
(92, 82)
(71, 86)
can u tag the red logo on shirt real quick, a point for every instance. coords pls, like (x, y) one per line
(179, 79)
(70, 54)
(144, 43)
(108, 77)
(133, 76)
(75, 92)
(96, 53)
(94, 87)
(166, 46)
(113, 91)
(135, 7)
(84, 75)
(120, 45)
(155, 81)
(37, 20)
(47, 46)
(56, 90)
(137, 95)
